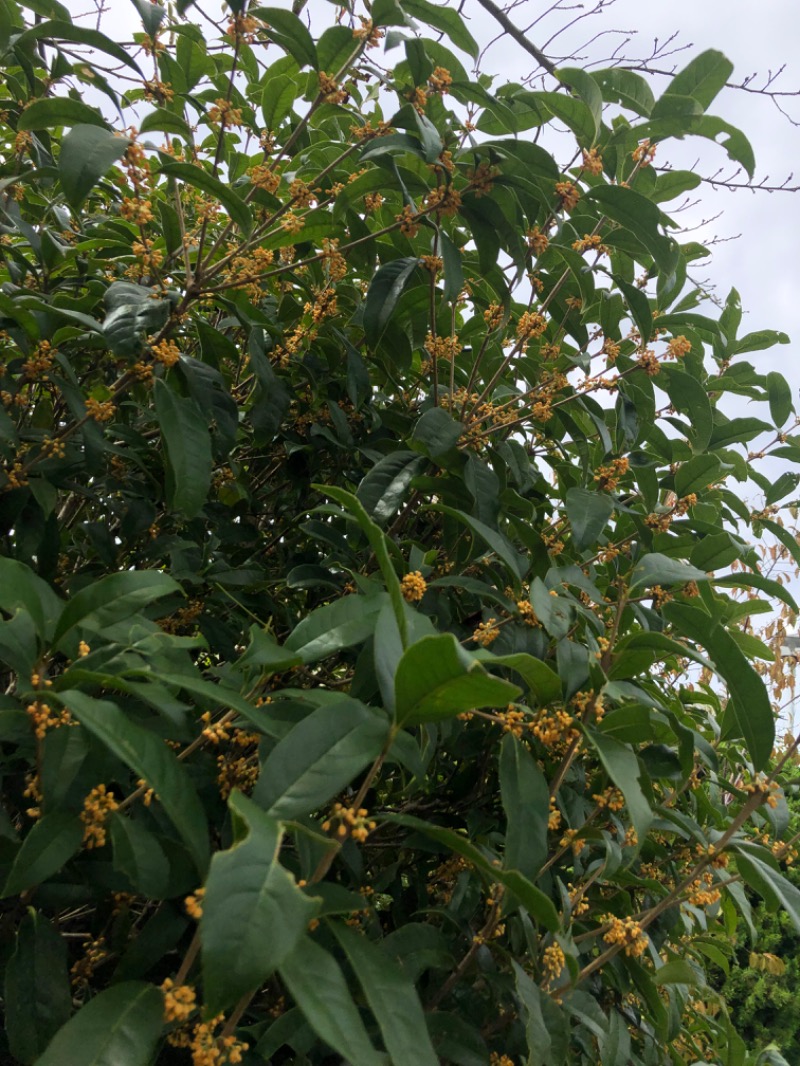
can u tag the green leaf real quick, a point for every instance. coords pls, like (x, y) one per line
(676, 972)
(254, 914)
(119, 1027)
(318, 986)
(758, 341)
(749, 712)
(697, 474)
(87, 153)
(150, 759)
(21, 588)
(436, 679)
(49, 844)
(113, 598)
(546, 1025)
(621, 86)
(168, 121)
(436, 433)
(278, 100)
(734, 141)
(133, 315)
(446, 19)
(384, 292)
(538, 905)
(526, 801)
(658, 569)
(319, 757)
(379, 543)
(207, 183)
(63, 111)
(385, 486)
(585, 87)
(392, 998)
(737, 431)
(495, 540)
(453, 269)
(640, 217)
(553, 611)
(588, 512)
(543, 683)
(780, 398)
(703, 78)
(291, 33)
(138, 855)
(756, 581)
(336, 625)
(625, 771)
(67, 31)
(689, 397)
(37, 994)
(152, 15)
(187, 442)
(778, 892)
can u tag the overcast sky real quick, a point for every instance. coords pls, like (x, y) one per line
(763, 262)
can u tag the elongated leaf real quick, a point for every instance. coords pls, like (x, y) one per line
(771, 885)
(319, 757)
(392, 998)
(703, 78)
(538, 905)
(139, 856)
(749, 713)
(697, 474)
(641, 217)
(253, 912)
(623, 768)
(207, 183)
(384, 488)
(150, 758)
(526, 801)
(119, 1027)
(588, 512)
(495, 540)
(586, 89)
(445, 19)
(385, 290)
(291, 33)
(546, 1024)
(168, 121)
(21, 588)
(38, 999)
(319, 988)
(113, 598)
(756, 581)
(188, 450)
(780, 398)
(87, 154)
(658, 569)
(152, 15)
(51, 842)
(544, 685)
(334, 626)
(58, 30)
(278, 100)
(379, 543)
(437, 679)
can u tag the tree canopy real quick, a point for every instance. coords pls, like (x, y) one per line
(375, 566)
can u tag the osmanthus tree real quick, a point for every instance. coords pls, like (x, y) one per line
(376, 686)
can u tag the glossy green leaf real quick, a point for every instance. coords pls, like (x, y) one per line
(278, 100)
(445, 19)
(139, 856)
(436, 679)
(133, 316)
(113, 598)
(385, 487)
(697, 474)
(640, 216)
(150, 759)
(319, 757)
(187, 444)
(49, 844)
(167, 121)
(658, 569)
(254, 914)
(625, 771)
(777, 891)
(318, 986)
(749, 713)
(336, 625)
(22, 589)
(526, 802)
(586, 89)
(68, 32)
(781, 405)
(384, 292)
(392, 998)
(497, 542)
(119, 1027)
(213, 187)
(588, 512)
(37, 994)
(152, 15)
(703, 78)
(291, 33)
(87, 154)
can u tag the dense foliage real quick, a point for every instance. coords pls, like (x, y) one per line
(375, 568)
